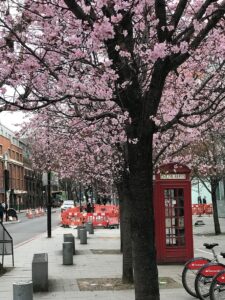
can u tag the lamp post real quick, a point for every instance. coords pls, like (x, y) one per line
(49, 205)
(80, 196)
(6, 181)
(46, 181)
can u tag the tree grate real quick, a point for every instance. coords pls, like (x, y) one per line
(111, 284)
(105, 251)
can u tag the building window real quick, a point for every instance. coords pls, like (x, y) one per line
(12, 154)
(17, 156)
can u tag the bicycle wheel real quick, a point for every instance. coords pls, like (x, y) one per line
(217, 288)
(190, 271)
(204, 279)
(202, 287)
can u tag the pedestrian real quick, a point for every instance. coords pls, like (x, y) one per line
(5, 206)
(1, 212)
(204, 204)
(199, 199)
(204, 201)
(200, 205)
(88, 207)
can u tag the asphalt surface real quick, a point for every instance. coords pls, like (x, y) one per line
(26, 229)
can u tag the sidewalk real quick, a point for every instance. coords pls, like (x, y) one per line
(63, 279)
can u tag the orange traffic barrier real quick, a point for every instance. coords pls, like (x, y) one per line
(42, 212)
(208, 209)
(200, 209)
(100, 220)
(102, 216)
(71, 217)
(36, 213)
(30, 214)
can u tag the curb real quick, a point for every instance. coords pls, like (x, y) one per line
(11, 222)
(39, 235)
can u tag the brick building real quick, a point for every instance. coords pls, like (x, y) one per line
(20, 185)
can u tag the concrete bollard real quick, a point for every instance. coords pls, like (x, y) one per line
(90, 227)
(78, 231)
(67, 253)
(68, 237)
(23, 290)
(83, 236)
(40, 272)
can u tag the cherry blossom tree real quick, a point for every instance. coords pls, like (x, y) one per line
(208, 165)
(154, 67)
(79, 153)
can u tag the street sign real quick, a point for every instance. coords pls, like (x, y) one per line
(54, 179)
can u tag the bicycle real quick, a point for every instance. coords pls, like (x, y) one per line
(192, 267)
(217, 288)
(205, 278)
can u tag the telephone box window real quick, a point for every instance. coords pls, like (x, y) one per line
(174, 217)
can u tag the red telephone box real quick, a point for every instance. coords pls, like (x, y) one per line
(173, 213)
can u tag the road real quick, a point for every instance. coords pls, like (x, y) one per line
(27, 229)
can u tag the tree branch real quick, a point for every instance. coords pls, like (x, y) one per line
(78, 11)
(203, 8)
(211, 24)
(186, 34)
(160, 9)
(178, 13)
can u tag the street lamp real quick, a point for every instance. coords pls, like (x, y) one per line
(49, 205)
(6, 180)
(46, 181)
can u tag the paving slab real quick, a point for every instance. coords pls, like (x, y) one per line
(87, 264)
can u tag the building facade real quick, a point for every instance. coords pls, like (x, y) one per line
(12, 186)
(20, 185)
(221, 198)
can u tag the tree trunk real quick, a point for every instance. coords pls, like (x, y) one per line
(142, 218)
(214, 184)
(69, 190)
(125, 225)
(120, 195)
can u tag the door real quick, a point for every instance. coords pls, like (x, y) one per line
(174, 217)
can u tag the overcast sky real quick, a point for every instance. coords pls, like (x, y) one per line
(11, 119)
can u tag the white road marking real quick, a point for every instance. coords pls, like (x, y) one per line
(200, 250)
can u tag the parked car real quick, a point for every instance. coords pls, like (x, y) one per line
(67, 204)
(56, 203)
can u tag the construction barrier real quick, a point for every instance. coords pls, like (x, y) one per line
(208, 209)
(100, 220)
(110, 210)
(201, 209)
(38, 212)
(104, 216)
(29, 214)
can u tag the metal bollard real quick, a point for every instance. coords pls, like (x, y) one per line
(83, 236)
(68, 237)
(23, 290)
(90, 227)
(67, 253)
(78, 231)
